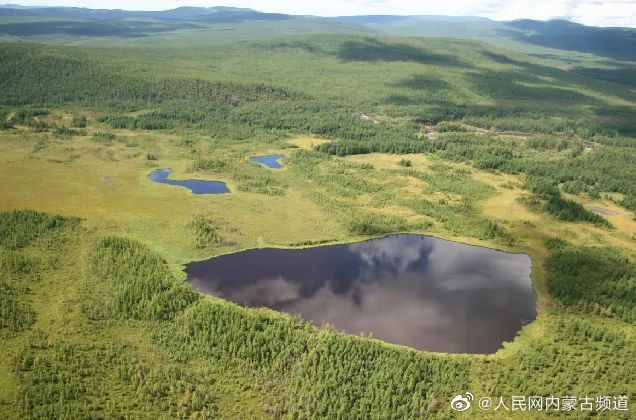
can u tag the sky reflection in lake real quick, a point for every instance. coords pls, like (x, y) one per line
(271, 161)
(415, 290)
(197, 186)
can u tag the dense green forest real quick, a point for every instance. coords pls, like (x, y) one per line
(231, 110)
(530, 151)
(133, 330)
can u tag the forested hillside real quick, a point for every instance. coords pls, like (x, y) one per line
(147, 345)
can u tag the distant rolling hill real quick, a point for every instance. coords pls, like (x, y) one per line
(192, 24)
(565, 35)
(242, 23)
(113, 14)
(617, 43)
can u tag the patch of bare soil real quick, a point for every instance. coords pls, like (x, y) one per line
(475, 129)
(369, 117)
(518, 134)
(602, 211)
(107, 180)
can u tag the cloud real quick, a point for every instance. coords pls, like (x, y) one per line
(589, 12)
(596, 13)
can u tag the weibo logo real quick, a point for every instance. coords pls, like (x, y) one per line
(462, 402)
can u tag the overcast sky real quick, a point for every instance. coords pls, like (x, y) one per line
(589, 12)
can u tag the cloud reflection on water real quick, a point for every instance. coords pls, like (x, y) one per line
(414, 290)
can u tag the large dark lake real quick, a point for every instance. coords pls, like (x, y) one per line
(414, 290)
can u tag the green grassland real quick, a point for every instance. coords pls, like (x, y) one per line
(96, 318)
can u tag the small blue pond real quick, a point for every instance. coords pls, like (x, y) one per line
(197, 186)
(271, 161)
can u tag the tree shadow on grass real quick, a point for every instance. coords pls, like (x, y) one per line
(516, 85)
(423, 82)
(622, 75)
(508, 85)
(619, 43)
(374, 50)
(500, 58)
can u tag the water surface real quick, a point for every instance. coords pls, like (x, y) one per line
(415, 290)
(271, 161)
(197, 186)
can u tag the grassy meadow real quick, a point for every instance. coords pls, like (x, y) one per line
(97, 320)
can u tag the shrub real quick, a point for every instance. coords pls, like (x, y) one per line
(375, 224)
(205, 230)
(79, 121)
(450, 126)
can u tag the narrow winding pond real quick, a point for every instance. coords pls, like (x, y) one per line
(414, 290)
(197, 186)
(271, 161)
